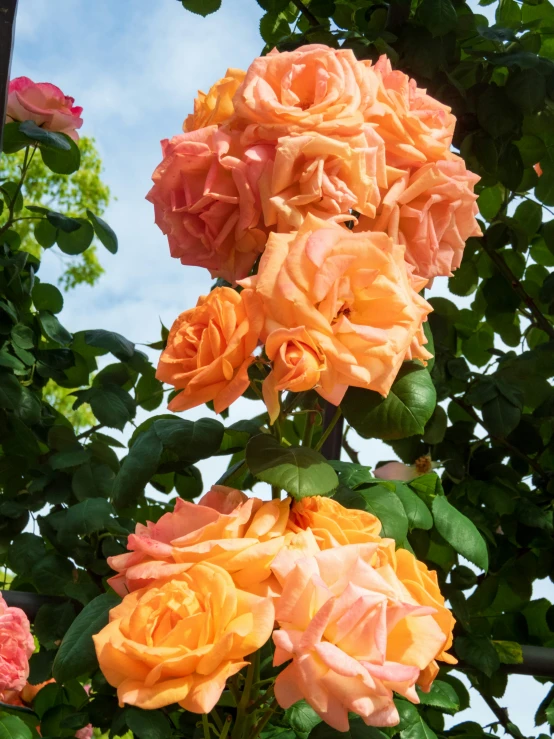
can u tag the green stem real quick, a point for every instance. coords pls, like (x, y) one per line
(265, 698)
(256, 731)
(328, 430)
(308, 15)
(242, 721)
(309, 429)
(217, 721)
(206, 726)
(275, 492)
(226, 727)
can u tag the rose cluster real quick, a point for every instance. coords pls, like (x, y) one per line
(210, 583)
(326, 188)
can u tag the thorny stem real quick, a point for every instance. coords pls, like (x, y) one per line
(328, 430)
(11, 207)
(502, 716)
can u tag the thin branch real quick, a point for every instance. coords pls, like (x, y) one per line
(542, 322)
(306, 12)
(504, 442)
(502, 716)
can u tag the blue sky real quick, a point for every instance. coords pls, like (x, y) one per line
(135, 67)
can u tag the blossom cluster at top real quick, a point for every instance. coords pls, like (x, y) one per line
(210, 583)
(326, 188)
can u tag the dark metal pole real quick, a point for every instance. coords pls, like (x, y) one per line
(333, 443)
(8, 10)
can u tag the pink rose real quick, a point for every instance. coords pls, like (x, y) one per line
(206, 200)
(432, 210)
(354, 634)
(45, 104)
(16, 646)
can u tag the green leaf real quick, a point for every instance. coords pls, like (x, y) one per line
(273, 26)
(189, 484)
(12, 195)
(48, 139)
(202, 7)
(105, 233)
(51, 574)
(45, 233)
(404, 412)
(352, 474)
(12, 727)
(509, 652)
(300, 471)
(460, 532)
(57, 220)
(10, 391)
(419, 516)
(438, 16)
(388, 508)
(441, 696)
(47, 297)
(76, 241)
(23, 336)
(301, 717)
(149, 392)
(13, 140)
(53, 328)
(528, 215)
(62, 161)
(52, 621)
(138, 467)
(479, 652)
(490, 200)
(496, 113)
(526, 88)
(118, 345)
(147, 724)
(111, 405)
(87, 517)
(24, 551)
(76, 655)
(500, 416)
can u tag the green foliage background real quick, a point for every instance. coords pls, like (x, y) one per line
(483, 409)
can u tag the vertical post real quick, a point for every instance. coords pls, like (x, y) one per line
(333, 443)
(7, 27)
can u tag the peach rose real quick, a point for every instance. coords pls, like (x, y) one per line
(297, 364)
(313, 88)
(332, 524)
(351, 292)
(416, 127)
(179, 641)
(242, 539)
(432, 210)
(324, 176)
(354, 634)
(209, 349)
(217, 106)
(206, 200)
(16, 647)
(44, 104)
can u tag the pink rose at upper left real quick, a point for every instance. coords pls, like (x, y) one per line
(44, 104)
(354, 635)
(206, 200)
(16, 647)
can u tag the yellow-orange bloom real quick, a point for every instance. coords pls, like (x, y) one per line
(179, 641)
(332, 524)
(242, 535)
(217, 106)
(209, 349)
(313, 88)
(415, 127)
(352, 293)
(432, 211)
(322, 175)
(354, 634)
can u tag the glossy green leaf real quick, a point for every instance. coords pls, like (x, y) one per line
(460, 532)
(105, 233)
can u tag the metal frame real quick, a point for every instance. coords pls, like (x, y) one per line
(8, 9)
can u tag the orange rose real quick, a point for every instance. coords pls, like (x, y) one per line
(297, 364)
(179, 642)
(242, 535)
(313, 88)
(334, 525)
(416, 127)
(351, 292)
(209, 349)
(324, 176)
(217, 106)
(432, 210)
(354, 634)
(206, 200)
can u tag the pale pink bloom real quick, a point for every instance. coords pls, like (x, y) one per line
(206, 200)
(44, 104)
(16, 647)
(354, 634)
(405, 472)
